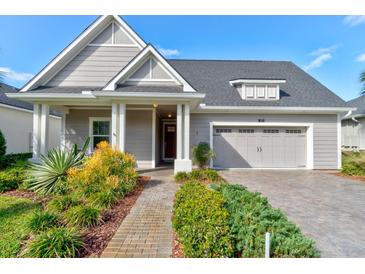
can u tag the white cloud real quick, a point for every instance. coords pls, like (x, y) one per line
(14, 75)
(354, 20)
(318, 61)
(321, 51)
(169, 52)
(322, 55)
(361, 58)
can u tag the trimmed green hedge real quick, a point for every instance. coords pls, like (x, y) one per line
(251, 216)
(201, 222)
(202, 175)
(11, 178)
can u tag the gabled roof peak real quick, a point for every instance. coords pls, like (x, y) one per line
(137, 61)
(78, 44)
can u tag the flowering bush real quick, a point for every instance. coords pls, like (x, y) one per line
(106, 169)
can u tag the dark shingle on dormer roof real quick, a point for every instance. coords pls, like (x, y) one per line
(212, 78)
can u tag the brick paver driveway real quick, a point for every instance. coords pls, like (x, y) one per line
(147, 230)
(327, 208)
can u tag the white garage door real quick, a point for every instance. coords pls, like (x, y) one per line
(259, 147)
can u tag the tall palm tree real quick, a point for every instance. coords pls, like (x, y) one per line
(362, 80)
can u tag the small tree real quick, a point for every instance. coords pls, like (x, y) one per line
(2, 148)
(202, 154)
(362, 80)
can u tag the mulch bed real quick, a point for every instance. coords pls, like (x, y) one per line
(177, 251)
(97, 238)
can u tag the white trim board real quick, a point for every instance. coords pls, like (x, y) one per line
(260, 109)
(339, 141)
(309, 135)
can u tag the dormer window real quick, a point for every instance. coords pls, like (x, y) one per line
(256, 89)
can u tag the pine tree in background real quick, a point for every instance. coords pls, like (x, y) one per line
(362, 80)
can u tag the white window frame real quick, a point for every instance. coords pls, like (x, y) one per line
(91, 134)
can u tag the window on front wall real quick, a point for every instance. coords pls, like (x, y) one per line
(100, 131)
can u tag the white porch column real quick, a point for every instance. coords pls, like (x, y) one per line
(63, 131)
(114, 137)
(186, 132)
(122, 125)
(153, 165)
(36, 130)
(44, 128)
(182, 162)
(179, 132)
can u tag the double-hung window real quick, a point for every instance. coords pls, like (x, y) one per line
(99, 130)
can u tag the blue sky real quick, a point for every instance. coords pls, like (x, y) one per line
(330, 48)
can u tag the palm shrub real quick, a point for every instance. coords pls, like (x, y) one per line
(42, 221)
(201, 222)
(51, 172)
(2, 148)
(55, 243)
(202, 154)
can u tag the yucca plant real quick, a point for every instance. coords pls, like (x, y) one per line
(51, 171)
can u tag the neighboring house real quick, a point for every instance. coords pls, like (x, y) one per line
(113, 86)
(16, 123)
(353, 125)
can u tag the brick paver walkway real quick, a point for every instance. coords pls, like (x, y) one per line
(147, 230)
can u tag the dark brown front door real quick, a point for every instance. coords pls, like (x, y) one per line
(170, 141)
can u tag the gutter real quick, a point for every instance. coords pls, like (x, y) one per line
(263, 109)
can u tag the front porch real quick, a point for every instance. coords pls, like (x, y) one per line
(156, 134)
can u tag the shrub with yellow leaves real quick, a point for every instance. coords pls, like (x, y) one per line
(106, 169)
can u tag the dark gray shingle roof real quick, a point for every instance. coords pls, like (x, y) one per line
(212, 78)
(4, 88)
(358, 103)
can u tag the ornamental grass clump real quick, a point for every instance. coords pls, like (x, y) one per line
(55, 243)
(42, 221)
(83, 216)
(201, 222)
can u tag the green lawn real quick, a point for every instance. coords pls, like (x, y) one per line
(14, 215)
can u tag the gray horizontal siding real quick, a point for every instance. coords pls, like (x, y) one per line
(324, 132)
(94, 66)
(139, 136)
(138, 131)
